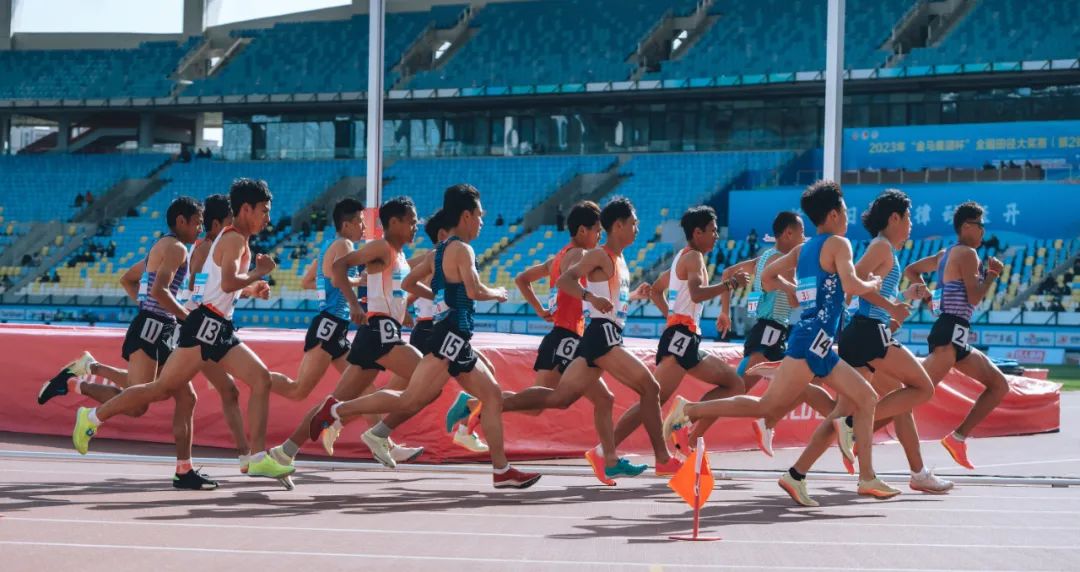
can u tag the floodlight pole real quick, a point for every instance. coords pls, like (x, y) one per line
(376, 34)
(834, 90)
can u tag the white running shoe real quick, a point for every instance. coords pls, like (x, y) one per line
(380, 448)
(329, 436)
(403, 454)
(764, 436)
(928, 482)
(470, 441)
(81, 367)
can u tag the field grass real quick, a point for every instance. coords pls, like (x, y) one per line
(1067, 374)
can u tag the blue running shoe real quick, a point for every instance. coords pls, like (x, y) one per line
(624, 468)
(458, 412)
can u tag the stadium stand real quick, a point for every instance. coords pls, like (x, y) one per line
(308, 57)
(87, 74)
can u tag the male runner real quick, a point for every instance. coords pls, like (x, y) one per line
(154, 284)
(377, 345)
(456, 287)
(767, 338)
(686, 285)
(825, 271)
(867, 345)
(607, 295)
(963, 285)
(208, 332)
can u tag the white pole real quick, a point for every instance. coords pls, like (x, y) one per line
(376, 33)
(834, 90)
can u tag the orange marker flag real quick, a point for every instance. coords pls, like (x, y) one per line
(694, 481)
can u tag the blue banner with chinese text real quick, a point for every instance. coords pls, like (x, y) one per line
(971, 145)
(1041, 210)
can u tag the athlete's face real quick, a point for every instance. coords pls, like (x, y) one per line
(187, 230)
(627, 228)
(255, 217)
(705, 238)
(900, 225)
(972, 232)
(590, 237)
(793, 235)
(404, 228)
(353, 227)
(474, 221)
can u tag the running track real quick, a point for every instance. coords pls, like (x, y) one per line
(58, 512)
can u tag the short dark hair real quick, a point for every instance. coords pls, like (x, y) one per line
(397, 207)
(216, 208)
(583, 214)
(345, 209)
(821, 198)
(248, 192)
(695, 218)
(186, 207)
(965, 212)
(618, 208)
(876, 218)
(783, 220)
(433, 225)
(457, 200)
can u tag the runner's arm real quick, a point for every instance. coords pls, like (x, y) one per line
(308, 281)
(976, 288)
(413, 283)
(658, 292)
(524, 282)
(130, 279)
(465, 259)
(840, 249)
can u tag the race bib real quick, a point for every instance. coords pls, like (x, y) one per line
(806, 292)
(441, 307)
(960, 335)
(200, 288)
(398, 292)
(679, 343)
(821, 345)
(623, 306)
(325, 330)
(144, 288)
(752, 301)
(770, 336)
(388, 332)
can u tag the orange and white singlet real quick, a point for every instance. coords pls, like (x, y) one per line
(566, 309)
(616, 289)
(385, 297)
(681, 310)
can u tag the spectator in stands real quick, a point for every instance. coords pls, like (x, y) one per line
(185, 154)
(751, 241)
(78, 200)
(6, 283)
(270, 281)
(499, 220)
(44, 279)
(1056, 305)
(988, 166)
(110, 251)
(37, 259)
(993, 243)
(560, 220)
(27, 260)
(89, 199)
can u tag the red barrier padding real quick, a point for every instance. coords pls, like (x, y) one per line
(33, 354)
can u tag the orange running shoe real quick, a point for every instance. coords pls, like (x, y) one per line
(669, 468)
(958, 450)
(597, 463)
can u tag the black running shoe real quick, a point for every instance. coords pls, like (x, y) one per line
(55, 386)
(193, 480)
